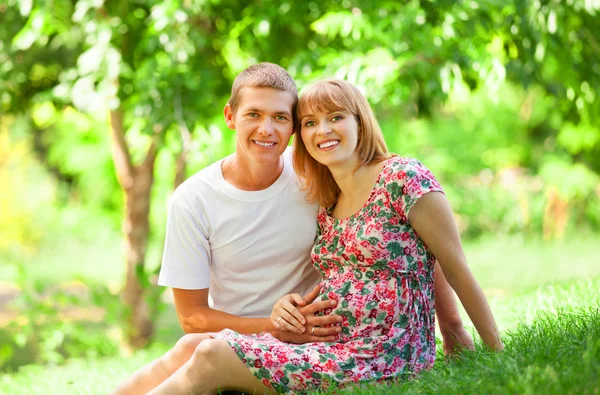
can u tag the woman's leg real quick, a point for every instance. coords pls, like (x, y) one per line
(157, 371)
(213, 367)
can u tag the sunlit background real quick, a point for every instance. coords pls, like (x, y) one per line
(106, 101)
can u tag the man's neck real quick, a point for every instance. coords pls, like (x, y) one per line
(250, 176)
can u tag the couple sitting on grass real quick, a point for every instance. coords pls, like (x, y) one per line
(338, 219)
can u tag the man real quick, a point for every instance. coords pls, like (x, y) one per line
(239, 232)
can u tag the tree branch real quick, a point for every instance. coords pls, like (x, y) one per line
(120, 149)
(148, 162)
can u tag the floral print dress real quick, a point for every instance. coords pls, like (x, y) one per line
(381, 273)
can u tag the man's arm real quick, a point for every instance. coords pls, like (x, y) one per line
(195, 316)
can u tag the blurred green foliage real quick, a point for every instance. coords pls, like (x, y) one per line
(498, 98)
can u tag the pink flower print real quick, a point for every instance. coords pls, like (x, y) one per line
(330, 364)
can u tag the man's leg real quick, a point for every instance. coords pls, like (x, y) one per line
(213, 367)
(157, 371)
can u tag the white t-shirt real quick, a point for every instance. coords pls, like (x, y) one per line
(248, 247)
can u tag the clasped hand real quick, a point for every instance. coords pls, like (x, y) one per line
(296, 321)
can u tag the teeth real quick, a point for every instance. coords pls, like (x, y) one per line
(328, 144)
(264, 144)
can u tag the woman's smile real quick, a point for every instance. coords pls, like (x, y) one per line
(328, 145)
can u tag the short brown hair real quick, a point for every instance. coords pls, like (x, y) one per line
(263, 75)
(336, 95)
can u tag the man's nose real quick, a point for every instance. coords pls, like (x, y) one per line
(266, 127)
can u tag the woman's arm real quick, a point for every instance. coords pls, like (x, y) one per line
(454, 335)
(432, 219)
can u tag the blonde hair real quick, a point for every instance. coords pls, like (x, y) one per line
(263, 75)
(328, 96)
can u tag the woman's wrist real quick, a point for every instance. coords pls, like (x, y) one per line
(451, 327)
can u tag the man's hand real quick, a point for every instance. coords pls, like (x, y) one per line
(293, 313)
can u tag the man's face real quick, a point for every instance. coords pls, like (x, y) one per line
(263, 122)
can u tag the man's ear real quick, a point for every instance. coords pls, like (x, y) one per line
(228, 113)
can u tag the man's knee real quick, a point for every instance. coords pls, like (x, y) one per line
(211, 350)
(186, 346)
(208, 358)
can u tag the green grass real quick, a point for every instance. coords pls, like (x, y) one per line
(556, 354)
(95, 376)
(552, 337)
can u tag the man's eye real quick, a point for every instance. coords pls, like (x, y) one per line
(281, 118)
(253, 115)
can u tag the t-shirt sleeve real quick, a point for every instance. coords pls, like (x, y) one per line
(186, 255)
(407, 181)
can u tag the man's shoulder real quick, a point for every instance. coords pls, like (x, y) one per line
(199, 187)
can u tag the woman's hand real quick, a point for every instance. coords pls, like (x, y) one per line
(294, 313)
(455, 340)
(286, 317)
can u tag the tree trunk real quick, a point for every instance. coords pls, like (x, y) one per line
(136, 182)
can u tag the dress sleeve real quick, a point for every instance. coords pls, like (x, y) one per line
(406, 181)
(186, 255)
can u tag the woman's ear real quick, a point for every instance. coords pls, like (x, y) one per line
(229, 116)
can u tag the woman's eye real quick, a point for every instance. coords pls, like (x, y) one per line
(310, 123)
(337, 118)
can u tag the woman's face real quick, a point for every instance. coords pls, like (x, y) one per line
(331, 137)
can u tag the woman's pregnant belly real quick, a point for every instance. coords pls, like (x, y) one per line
(368, 307)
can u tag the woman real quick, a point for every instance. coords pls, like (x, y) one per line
(383, 223)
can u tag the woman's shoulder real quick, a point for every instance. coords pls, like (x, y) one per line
(402, 167)
(406, 180)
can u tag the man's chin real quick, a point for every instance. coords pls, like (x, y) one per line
(268, 156)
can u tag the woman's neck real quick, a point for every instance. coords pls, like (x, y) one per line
(353, 182)
(348, 179)
(355, 188)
